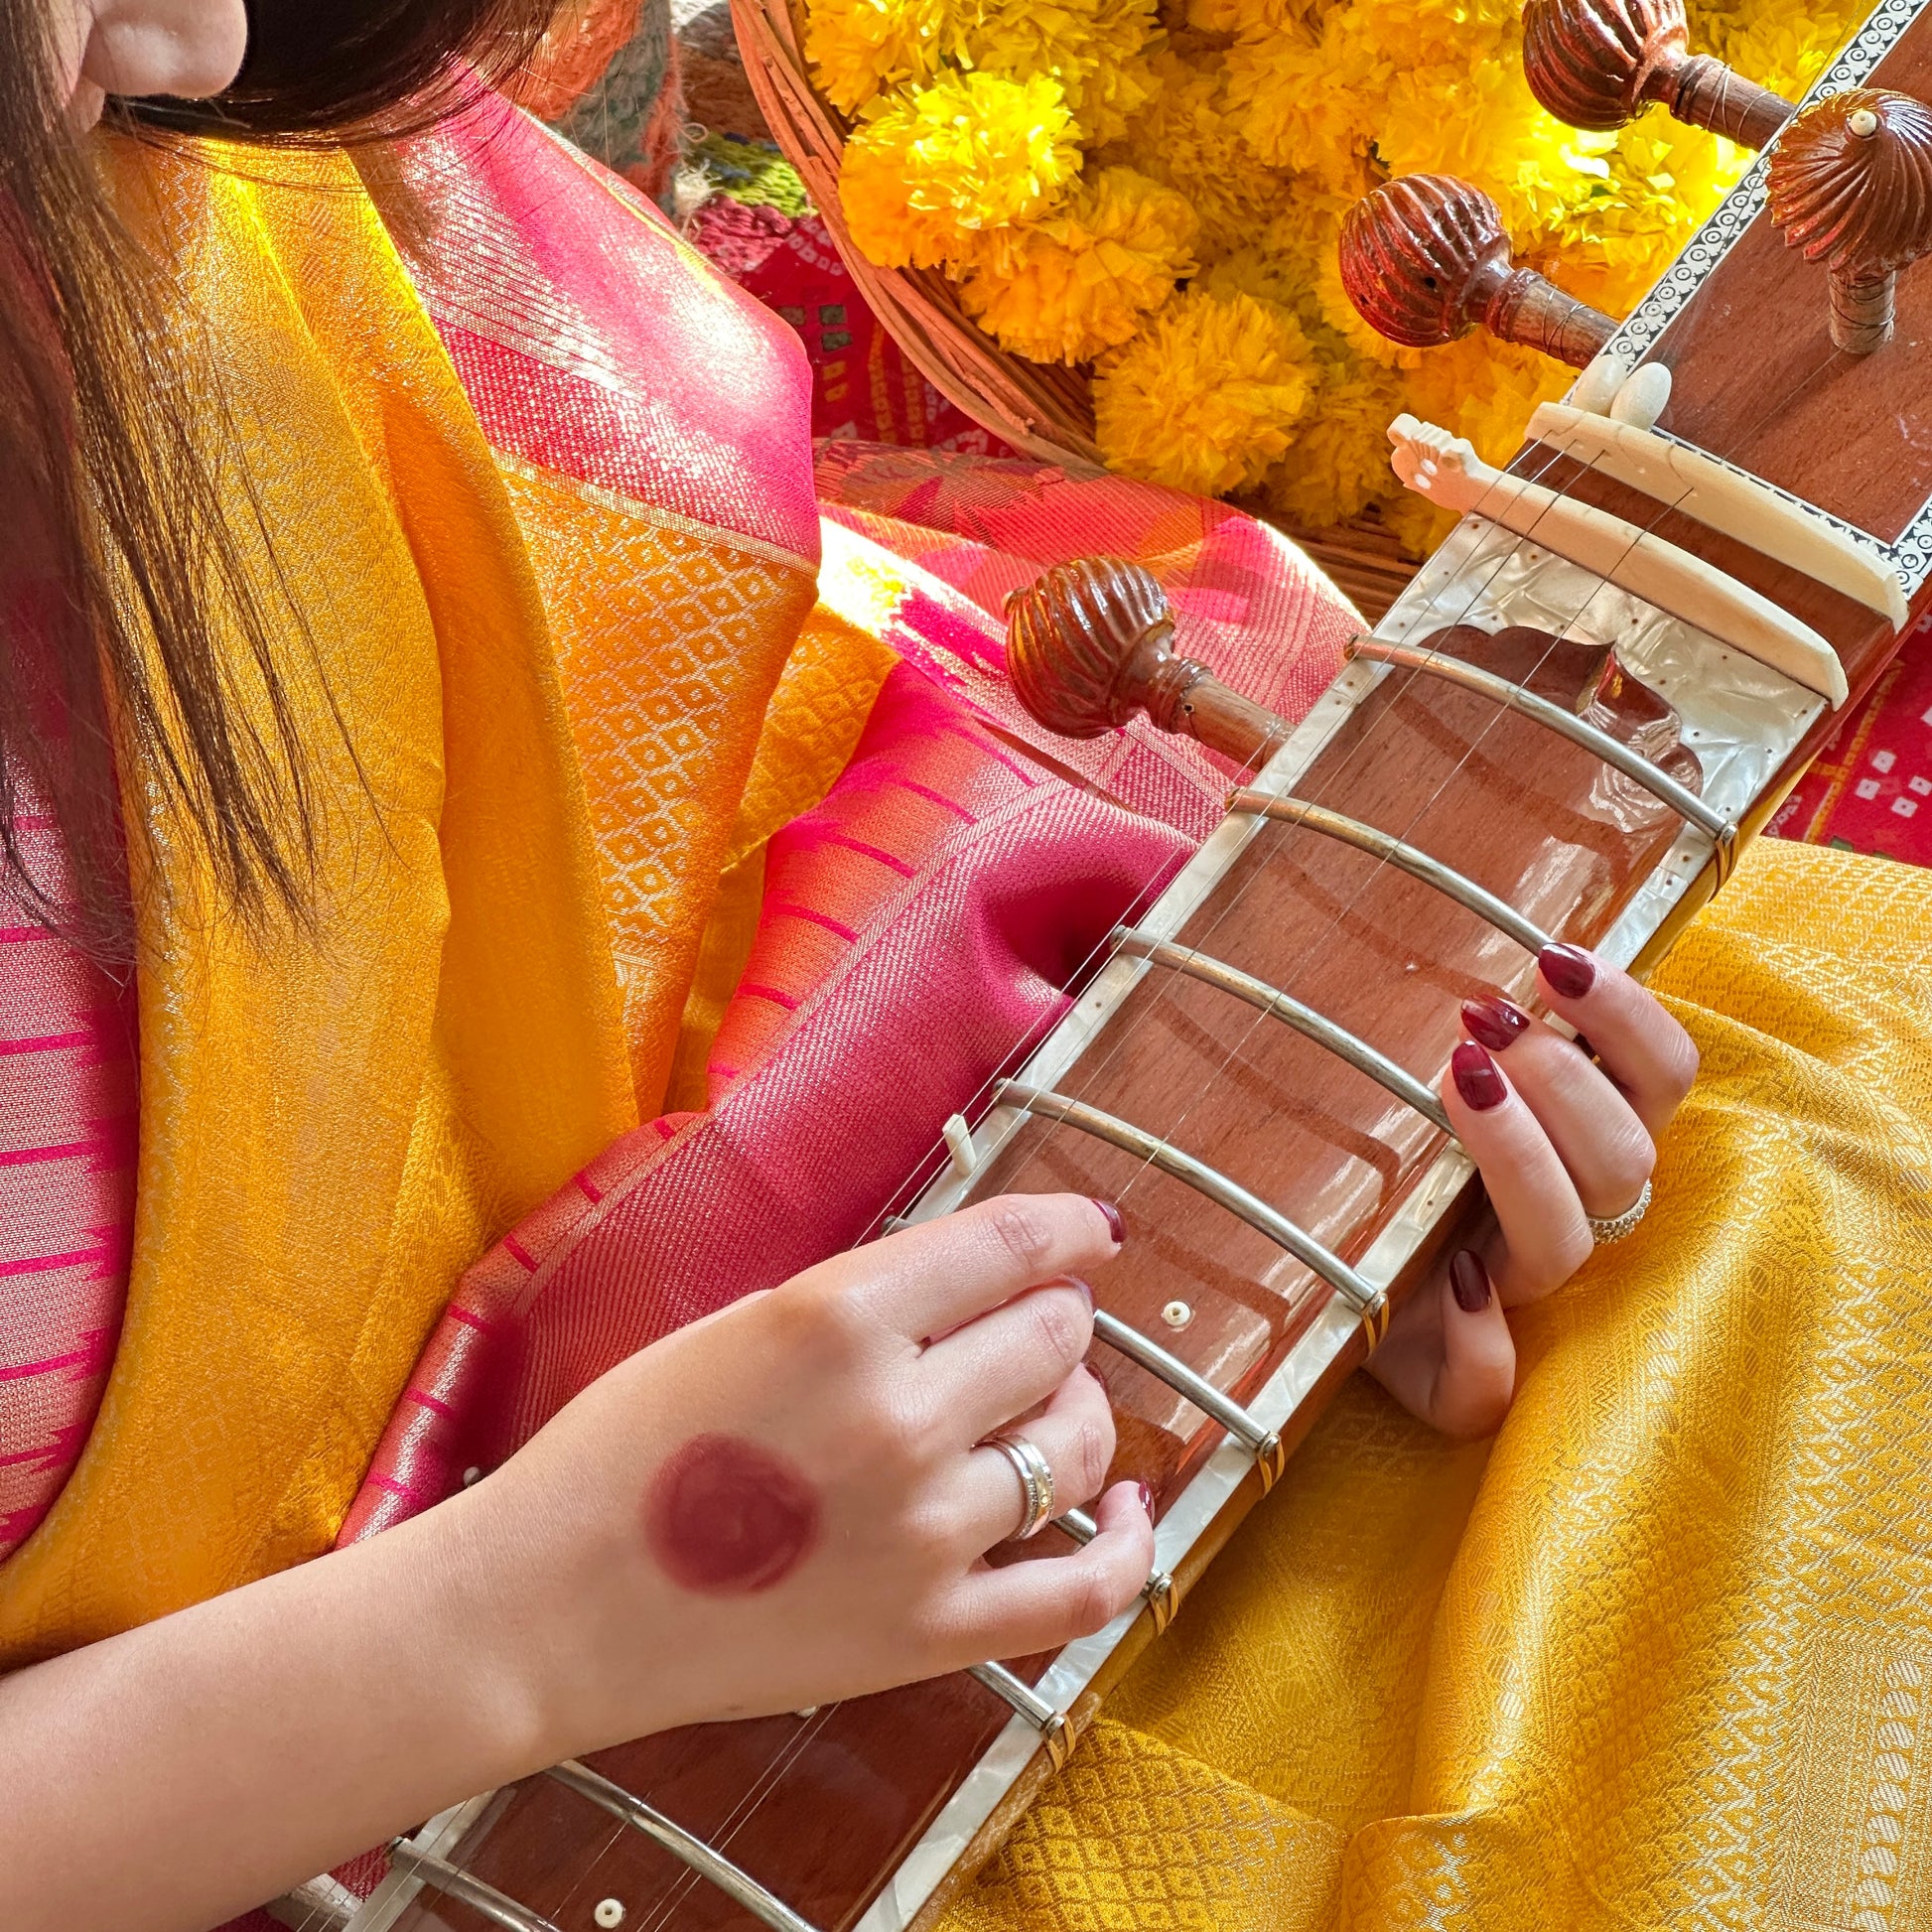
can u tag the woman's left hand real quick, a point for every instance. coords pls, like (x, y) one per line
(1559, 1140)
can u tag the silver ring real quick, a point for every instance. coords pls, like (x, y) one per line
(1619, 1226)
(1035, 1475)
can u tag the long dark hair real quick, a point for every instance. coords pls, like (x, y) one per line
(123, 592)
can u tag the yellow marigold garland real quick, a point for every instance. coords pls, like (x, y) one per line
(1037, 148)
(1078, 283)
(1208, 396)
(929, 170)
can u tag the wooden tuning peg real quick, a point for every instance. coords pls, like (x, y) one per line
(1850, 185)
(1424, 259)
(1598, 64)
(1091, 644)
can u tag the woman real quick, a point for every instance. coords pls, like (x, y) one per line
(417, 545)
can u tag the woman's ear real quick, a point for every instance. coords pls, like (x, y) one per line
(186, 50)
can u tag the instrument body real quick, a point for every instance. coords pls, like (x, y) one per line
(871, 1813)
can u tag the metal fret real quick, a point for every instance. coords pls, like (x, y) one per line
(439, 1874)
(1406, 858)
(1158, 1592)
(683, 1846)
(1054, 1732)
(1204, 1179)
(1339, 1040)
(1684, 803)
(1261, 1442)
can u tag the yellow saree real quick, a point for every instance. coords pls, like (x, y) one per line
(1661, 1654)
(556, 695)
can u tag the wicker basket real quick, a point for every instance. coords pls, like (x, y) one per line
(1043, 410)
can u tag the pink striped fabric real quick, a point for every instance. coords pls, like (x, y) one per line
(67, 1191)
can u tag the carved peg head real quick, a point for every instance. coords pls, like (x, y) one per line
(1415, 255)
(1600, 63)
(1424, 259)
(1851, 186)
(1597, 64)
(1852, 180)
(1091, 644)
(1078, 639)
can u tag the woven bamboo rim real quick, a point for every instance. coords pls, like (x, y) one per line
(1047, 411)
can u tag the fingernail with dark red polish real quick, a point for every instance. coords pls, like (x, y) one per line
(1115, 1221)
(1147, 1497)
(1493, 1022)
(1569, 970)
(1469, 1282)
(1477, 1078)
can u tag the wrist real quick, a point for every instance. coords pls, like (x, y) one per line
(484, 1637)
(546, 1610)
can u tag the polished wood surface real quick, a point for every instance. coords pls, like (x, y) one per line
(822, 1809)
(1851, 187)
(1598, 64)
(1090, 644)
(1425, 259)
(1758, 380)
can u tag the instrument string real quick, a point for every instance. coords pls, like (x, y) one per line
(772, 1777)
(1095, 1063)
(762, 1786)
(772, 1781)
(1370, 744)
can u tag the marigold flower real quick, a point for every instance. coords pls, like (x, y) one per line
(927, 170)
(1206, 397)
(1222, 149)
(1092, 48)
(858, 46)
(1069, 287)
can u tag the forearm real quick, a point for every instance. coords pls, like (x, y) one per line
(186, 1771)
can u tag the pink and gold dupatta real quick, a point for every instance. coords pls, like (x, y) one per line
(695, 884)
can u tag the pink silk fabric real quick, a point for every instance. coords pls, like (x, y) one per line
(573, 327)
(918, 929)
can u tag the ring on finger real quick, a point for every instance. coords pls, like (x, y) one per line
(1616, 1226)
(1035, 1475)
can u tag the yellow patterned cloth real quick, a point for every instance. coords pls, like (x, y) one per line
(1661, 1655)
(576, 724)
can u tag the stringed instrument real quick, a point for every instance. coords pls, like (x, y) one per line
(1604, 682)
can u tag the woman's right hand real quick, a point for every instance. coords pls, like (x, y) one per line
(783, 1504)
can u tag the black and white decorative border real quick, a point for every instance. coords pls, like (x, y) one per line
(1911, 554)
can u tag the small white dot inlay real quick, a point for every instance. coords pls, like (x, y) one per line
(1177, 1314)
(608, 1912)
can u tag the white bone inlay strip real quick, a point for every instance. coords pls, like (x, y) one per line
(1446, 470)
(1727, 501)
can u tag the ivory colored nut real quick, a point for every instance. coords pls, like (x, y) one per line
(1864, 123)
(608, 1912)
(1641, 397)
(1177, 1314)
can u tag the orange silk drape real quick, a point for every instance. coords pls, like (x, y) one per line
(556, 695)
